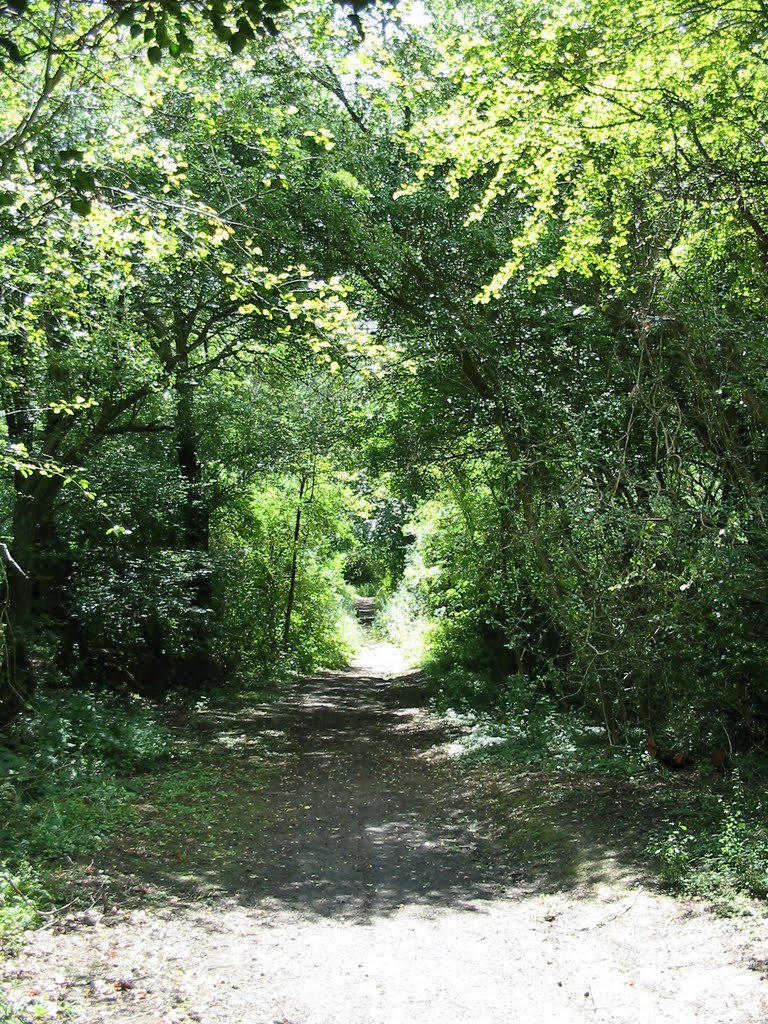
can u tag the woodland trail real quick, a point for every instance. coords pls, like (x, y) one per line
(374, 881)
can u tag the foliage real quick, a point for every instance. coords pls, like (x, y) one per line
(136, 620)
(63, 794)
(398, 620)
(254, 579)
(22, 898)
(569, 272)
(725, 860)
(135, 333)
(467, 310)
(376, 562)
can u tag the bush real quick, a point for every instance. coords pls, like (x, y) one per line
(725, 861)
(138, 622)
(62, 794)
(255, 548)
(400, 619)
(69, 733)
(23, 897)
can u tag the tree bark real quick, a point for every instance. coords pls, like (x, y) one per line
(294, 565)
(34, 586)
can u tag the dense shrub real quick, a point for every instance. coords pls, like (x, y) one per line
(726, 860)
(63, 764)
(255, 548)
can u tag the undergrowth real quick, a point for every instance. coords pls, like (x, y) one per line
(720, 854)
(714, 842)
(81, 770)
(23, 899)
(66, 790)
(512, 722)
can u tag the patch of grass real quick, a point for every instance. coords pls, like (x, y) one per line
(35, 1012)
(539, 838)
(7, 1013)
(23, 897)
(78, 821)
(86, 774)
(65, 791)
(198, 801)
(722, 857)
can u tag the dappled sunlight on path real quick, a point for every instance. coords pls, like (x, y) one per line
(379, 659)
(374, 880)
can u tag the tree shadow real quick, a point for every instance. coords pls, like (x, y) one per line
(362, 815)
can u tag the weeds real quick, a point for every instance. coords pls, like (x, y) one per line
(713, 845)
(23, 897)
(7, 1013)
(65, 792)
(34, 1012)
(83, 769)
(397, 621)
(725, 861)
(528, 728)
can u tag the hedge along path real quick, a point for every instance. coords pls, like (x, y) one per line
(368, 877)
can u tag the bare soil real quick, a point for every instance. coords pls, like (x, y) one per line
(372, 879)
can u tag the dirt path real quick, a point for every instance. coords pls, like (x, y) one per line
(373, 881)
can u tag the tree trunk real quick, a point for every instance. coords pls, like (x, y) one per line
(196, 513)
(197, 664)
(294, 565)
(34, 586)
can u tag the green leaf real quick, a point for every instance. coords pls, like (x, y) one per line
(11, 49)
(83, 180)
(81, 206)
(162, 36)
(239, 40)
(220, 30)
(154, 55)
(244, 26)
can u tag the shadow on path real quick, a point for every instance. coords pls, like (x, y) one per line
(362, 815)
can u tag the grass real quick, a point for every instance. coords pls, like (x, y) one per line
(720, 851)
(24, 897)
(65, 794)
(86, 775)
(708, 834)
(68, 769)
(35, 1012)
(65, 768)
(197, 814)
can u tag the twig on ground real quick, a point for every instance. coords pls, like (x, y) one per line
(618, 913)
